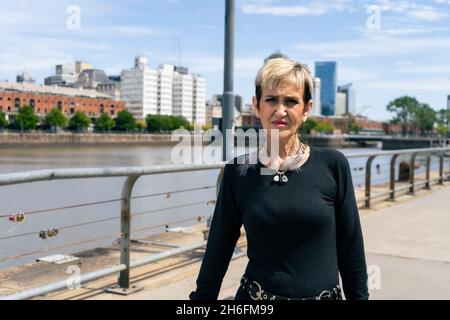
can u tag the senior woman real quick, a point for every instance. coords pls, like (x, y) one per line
(301, 221)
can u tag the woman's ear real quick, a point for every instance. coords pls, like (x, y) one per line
(255, 106)
(307, 111)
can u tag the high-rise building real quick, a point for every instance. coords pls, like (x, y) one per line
(448, 108)
(327, 72)
(199, 100)
(169, 90)
(316, 111)
(65, 75)
(139, 89)
(349, 98)
(183, 89)
(165, 89)
(25, 78)
(341, 101)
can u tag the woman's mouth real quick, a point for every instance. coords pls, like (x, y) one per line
(280, 124)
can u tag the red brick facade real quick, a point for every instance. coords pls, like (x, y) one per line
(11, 101)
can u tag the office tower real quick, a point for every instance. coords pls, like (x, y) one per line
(327, 72)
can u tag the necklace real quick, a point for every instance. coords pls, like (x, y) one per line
(290, 163)
(280, 176)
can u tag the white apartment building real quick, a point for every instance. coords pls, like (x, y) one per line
(169, 90)
(165, 89)
(199, 100)
(139, 89)
(183, 89)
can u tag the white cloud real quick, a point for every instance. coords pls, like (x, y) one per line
(243, 66)
(349, 74)
(375, 45)
(315, 8)
(427, 15)
(410, 68)
(422, 84)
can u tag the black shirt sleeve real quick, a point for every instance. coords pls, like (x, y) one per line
(350, 245)
(223, 235)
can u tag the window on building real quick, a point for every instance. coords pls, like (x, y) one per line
(60, 105)
(102, 108)
(32, 104)
(9, 109)
(16, 104)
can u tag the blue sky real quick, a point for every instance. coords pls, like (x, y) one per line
(408, 55)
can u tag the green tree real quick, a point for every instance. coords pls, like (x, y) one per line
(442, 129)
(105, 122)
(162, 123)
(424, 118)
(403, 109)
(125, 121)
(79, 121)
(307, 126)
(443, 117)
(55, 118)
(25, 119)
(353, 127)
(3, 120)
(324, 127)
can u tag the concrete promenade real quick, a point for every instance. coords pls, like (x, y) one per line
(406, 242)
(407, 250)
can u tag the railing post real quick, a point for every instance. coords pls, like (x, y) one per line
(125, 228)
(411, 173)
(427, 173)
(441, 168)
(368, 178)
(392, 178)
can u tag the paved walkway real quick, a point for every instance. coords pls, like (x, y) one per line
(407, 250)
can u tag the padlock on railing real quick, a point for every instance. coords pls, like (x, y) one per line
(17, 218)
(50, 233)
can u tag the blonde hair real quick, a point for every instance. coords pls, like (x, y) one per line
(277, 71)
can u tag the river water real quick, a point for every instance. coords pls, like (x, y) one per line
(175, 200)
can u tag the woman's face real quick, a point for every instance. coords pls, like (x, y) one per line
(282, 109)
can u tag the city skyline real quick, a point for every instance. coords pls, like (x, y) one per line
(405, 54)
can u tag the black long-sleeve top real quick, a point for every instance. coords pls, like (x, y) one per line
(300, 234)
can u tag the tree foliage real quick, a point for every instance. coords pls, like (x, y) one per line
(25, 119)
(79, 121)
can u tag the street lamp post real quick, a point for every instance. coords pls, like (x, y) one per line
(228, 95)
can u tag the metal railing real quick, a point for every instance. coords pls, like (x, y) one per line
(132, 174)
(429, 152)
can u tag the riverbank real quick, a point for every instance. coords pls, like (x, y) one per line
(68, 139)
(40, 139)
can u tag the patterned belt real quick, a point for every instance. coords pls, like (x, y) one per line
(255, 292)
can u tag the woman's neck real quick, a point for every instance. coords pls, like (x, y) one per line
(286, 148)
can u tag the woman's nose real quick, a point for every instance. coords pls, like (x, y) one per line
(281, 109)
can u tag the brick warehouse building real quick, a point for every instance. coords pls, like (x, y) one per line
(43, 98)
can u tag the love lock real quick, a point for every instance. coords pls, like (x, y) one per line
(19, 217)
(52, 233)
(43, 234)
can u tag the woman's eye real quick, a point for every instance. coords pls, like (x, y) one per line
(292, 103)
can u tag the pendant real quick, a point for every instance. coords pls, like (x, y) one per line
(280, 176)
